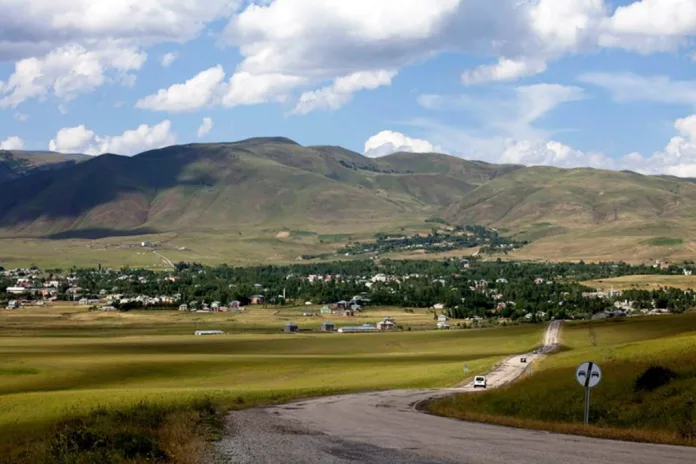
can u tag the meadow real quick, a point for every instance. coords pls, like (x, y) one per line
(647, 392)
(644, 282)
(80, 386)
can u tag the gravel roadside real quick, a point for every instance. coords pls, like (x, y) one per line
(259, 437)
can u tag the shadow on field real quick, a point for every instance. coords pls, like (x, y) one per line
(99, 233)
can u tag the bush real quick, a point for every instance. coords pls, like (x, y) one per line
(654, 378)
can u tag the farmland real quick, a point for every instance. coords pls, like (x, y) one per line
(146, 375)
(658, 408)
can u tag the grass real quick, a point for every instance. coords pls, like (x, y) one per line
(62, 383)
(664, 242)
(550, 398)
(644, 282)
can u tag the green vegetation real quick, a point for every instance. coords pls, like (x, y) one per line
(647, 392)
(216, 203)
(119, 395)
(664, 241)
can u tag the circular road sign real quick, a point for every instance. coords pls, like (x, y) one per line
(588, 374)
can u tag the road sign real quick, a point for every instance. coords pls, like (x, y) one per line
(588, 375)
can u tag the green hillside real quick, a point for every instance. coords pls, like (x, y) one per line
(273, 199)
(16, 163)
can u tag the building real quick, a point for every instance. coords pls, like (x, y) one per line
(365, 328)
(326, 310)
(257, 299)
(442, 325)
(439, 306)
(348, 313)
(183, 307)
(385, 325)
(209, 332)
(13, 304)
(441, 318)
(234, 304)
(328, 326)
(291, 327)
(16, 290)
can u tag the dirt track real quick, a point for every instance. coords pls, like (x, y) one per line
(385, 427)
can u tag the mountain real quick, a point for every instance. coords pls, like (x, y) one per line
(257, 188)
(17, 163)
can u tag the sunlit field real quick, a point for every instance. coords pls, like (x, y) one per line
(62, 363)
(659, 407)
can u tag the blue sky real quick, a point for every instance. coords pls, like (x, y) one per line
(556, 82)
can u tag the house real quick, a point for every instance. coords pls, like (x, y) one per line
(16, 290)
(326, 310)
(362, 329)
(348, 313)
(688, 272)
(257, 299)
(441, 318)
(208, 332)
(439, 306)
(291, 327)
(108, 308)
(327, 326)
(234, 304)
(343, 304)
(385, 325)
(13, 304)
(442, 325)
(538, 281)
(501, 281)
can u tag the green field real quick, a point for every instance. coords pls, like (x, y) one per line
(644, 282)
(550, 398)
(144, 378)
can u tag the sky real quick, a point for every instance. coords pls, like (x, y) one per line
(568, 83)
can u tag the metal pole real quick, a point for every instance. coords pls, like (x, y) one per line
(587, 405)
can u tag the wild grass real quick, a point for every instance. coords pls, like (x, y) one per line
(644, 282)
(117, 396)
(622, 408)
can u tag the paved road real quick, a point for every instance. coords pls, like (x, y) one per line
(385, 427)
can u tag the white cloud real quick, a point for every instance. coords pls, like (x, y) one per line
(626, 87)
(340, 92)
(504, 70)
(82, 140)
(512, 113)
(206, 127)
(656, 17)
(31, 27)
(388, 142)
(169, 58)
(551, 153)
(69, 71)
(12, 143)
(196, 93)
(245, 88)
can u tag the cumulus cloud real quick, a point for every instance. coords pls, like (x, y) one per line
(337, 95)
(69, 71)
(388, 142)
(196, 93)
(206, 127)
(169, 58)
(12, 143)
(504, 70)
(33, 27)
(79, 139)
(246, 88)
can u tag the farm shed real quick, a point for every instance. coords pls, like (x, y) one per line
(209, 332)
(328, 326)
(291, 327)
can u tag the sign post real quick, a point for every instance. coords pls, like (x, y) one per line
(588, 375)
(466, 369)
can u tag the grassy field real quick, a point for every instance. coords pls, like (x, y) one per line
(657, 408)
(644, 282)
(143, 377)
(79, 321)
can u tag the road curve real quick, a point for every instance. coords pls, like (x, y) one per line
(385, 427)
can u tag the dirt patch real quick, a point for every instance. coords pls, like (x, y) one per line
(283, 234)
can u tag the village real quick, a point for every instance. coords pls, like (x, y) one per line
(467, 290)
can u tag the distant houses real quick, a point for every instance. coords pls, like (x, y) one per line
(291, 327)
(327, 326)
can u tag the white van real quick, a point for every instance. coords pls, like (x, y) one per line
(479, 381)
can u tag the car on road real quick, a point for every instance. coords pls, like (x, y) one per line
(523, 359)
(479, 381)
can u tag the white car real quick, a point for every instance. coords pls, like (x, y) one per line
(479, 381)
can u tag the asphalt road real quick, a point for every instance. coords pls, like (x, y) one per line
(385, 427)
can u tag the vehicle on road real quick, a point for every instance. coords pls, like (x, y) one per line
(523, 359)
(480, 382)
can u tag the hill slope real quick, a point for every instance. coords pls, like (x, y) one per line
(17, 163)
(274, 184)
